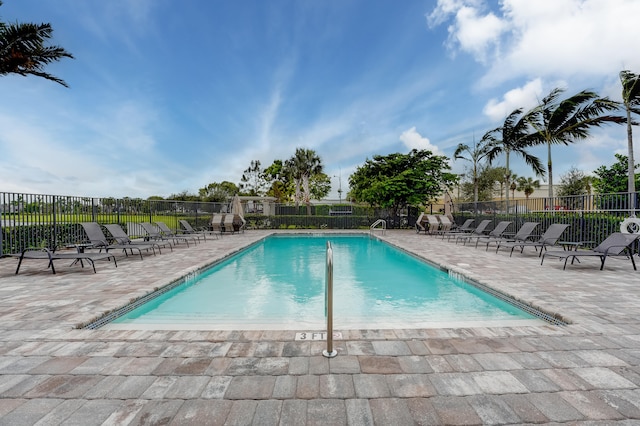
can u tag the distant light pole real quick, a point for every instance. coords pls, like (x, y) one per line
(339, 187)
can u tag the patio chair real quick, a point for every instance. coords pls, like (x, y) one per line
(616, 244)
(216, 223)
(190, 230)
(153, 234)
(50, 256)
(523, 234)
(99, 241)
(465, 228)
(477, 232)
(549, 238)
(495, 233)
(227, 224)
(168, 233)
(434, 224)
(421, 224)
(445, 223)
(121, 237)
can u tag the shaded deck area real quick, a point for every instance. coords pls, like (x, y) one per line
(52, 373)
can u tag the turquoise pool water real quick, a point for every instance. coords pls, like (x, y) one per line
(280, 283)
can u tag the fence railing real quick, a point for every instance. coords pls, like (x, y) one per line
(591, 217)
(52, 221)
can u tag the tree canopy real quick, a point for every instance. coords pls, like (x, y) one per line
(23, 50)
(574, 182)
(615, 178)
(631, 101)
(564, 121)
(395, 180)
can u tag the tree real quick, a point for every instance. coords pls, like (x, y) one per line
(513, 137)
(218, 192)
(320, 185)
(474, 155)
(279, 181)
(396, 180)
(631, 101)
(253, 181)
(514, 184)
(527, 185)
(613, 179)
(304, 164)
(23, 50)
(565, 121)
(183, 196)
(487, 178)
(574, 182)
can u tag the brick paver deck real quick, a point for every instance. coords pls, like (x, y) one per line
(52, 373)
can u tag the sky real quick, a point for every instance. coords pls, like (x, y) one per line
(168, 96)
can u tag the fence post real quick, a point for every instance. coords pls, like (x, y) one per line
(53, 244)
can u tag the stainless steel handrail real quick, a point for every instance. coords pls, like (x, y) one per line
(381, 222)
(328, 303)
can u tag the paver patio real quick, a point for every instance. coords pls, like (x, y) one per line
(52, 373)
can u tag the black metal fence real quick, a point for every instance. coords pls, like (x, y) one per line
(53, 221)
(33, 220)
(591, 217)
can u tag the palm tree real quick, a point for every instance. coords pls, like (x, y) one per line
(513, 186)
(513, 137)
(631, 100)
(527, 185)
(304, 164)
(474, 155)
(22, 50)
(565, 121)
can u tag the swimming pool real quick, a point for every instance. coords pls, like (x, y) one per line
(278, 283)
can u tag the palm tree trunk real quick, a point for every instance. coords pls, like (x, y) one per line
(550, 169)
(507, 183)
(306, 193)
(631, 187)
(297, 192)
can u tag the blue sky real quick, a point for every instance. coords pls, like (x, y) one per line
(170, 95)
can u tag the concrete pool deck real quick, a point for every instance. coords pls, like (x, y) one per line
(52, 373)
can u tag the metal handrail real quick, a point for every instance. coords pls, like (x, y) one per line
(381, 222)
(328, 303)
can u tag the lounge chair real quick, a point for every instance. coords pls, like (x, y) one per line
(121, 237)
(434, 224)
(227, 224)
(477, 232)
(523, 234)
(445, 224)
(168, 233)
(99, 241)
(616, 244)
(216, 223)
(190, 230)
(496, 232)
(548, 239)
(421, 224)
(465, 228)
(50, 256)
(153, 234)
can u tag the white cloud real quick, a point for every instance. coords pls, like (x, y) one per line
(414, 140)
(476, 34)
(524, 97)
(559, 38)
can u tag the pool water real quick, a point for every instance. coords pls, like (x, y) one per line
(279, 283)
